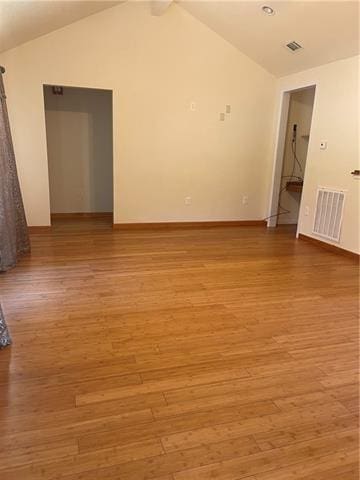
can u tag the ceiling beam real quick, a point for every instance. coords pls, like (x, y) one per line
(159, 7)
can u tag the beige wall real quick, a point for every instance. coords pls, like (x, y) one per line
(163, 151)
(79, 147)
(300, 113)
(335, 120)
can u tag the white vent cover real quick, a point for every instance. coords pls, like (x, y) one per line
(328, 213)
(293, 46)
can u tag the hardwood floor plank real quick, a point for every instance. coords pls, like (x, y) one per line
(177, 461)
(81, 419)
(161, 427)
(37, 454)
(313, 415)
(340, 465)
(97, 425)
(197, 354)
(158, 386)
(271, 460)
(304, 432)
(84, 464)
(288, 384)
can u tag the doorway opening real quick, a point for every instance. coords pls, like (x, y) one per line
(291, 156)
(79, 135)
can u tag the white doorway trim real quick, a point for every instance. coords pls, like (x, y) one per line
(89, 88)
(284, 103)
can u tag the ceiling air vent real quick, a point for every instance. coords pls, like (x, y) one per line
(293, 46)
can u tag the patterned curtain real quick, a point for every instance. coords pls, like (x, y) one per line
(14, 239)
(4, 333)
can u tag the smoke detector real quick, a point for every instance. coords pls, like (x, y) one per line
(293, 46)
(268, 10)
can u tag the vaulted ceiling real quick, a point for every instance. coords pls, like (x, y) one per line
(21, 21)
(327, 30)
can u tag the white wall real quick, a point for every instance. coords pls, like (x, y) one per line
(79, 147)
(335, 120)
(163, 152)
(300, 113)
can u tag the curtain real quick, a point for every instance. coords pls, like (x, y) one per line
(4, 333)
(14, 239)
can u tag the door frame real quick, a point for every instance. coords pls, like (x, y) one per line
(280, 135)
(65, 85)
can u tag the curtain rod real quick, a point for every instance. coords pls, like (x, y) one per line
(2, 69)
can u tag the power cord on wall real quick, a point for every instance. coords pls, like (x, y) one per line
(292, 176)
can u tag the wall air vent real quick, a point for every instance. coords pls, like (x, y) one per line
(293, 46)
(329, 213)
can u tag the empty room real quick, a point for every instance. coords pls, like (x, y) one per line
(179, 240)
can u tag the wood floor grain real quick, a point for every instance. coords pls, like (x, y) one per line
(199, 354)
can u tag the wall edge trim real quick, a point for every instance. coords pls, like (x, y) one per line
(81, 215)
(331, 248)
(39, 228)
(203, 224)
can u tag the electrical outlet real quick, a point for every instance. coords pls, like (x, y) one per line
(187, 200)
(192, 106)
(245, 200)
(307, 211)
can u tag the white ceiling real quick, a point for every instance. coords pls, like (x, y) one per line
(327, 30)
(25, 20)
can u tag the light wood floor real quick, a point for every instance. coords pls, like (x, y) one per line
(225, 353)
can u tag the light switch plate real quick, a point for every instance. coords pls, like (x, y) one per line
(323, 145)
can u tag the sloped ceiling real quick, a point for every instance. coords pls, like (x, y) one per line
(25, 20)
(327, 31)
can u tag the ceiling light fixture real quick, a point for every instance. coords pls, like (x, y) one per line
(268, 10)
